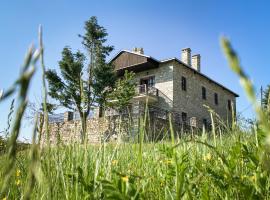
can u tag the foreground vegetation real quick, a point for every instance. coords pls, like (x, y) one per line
(192, 169)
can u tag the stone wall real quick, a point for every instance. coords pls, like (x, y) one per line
(112, 128)
(69, 131)
(191, 101)
(163, 82)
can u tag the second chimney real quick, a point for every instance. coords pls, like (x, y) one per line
(186, 56)
(196, 62)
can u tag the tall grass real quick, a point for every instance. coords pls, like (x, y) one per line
(233, 165)
(192, 170)
(22, 85)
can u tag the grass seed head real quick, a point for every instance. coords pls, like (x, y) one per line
(18, 173)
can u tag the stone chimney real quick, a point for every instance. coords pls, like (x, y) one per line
(196, 62)
(186, 56)
(138, 50)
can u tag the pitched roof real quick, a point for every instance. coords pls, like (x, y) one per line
(126, 60)
(148, 59)
(113, 58)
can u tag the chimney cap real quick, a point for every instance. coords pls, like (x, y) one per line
(196, 55)
(186, 49)
(138, 50)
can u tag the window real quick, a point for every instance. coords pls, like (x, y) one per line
(148, 81)
(216, 98)
(151, 81)
(203, 93)
(184, 117)
(184, 83)
(229, 105)
(177, 118)
(205, 123)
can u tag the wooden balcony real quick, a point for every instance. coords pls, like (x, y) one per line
(144, 93)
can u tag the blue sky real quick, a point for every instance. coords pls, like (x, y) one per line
(162, 28)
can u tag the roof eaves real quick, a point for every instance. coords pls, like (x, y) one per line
(124, 68)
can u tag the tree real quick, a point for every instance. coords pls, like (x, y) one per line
(71, 88)
(81, 86)
(120, 97)
(101, 74)
(124, 91)
(266, 101)
(105, 79)
(266, 97)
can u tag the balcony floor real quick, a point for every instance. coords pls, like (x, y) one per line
(144, 97)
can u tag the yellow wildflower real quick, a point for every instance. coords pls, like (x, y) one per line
(18, 182)
(125, 178)
(243, 177)
(5, 198)
(168, 162)
(114, 162)
(18, 172)
(207, 157)
(253, 178)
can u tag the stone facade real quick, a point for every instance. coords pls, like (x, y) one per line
(163, 76)
(168, 80)
(191, 101)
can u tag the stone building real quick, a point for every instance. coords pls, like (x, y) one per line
(171, 87)
(177, 86)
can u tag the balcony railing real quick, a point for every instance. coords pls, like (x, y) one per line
(147, 90)
(144, 92)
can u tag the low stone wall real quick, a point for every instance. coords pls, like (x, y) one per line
(69, 131)
(114, 128)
